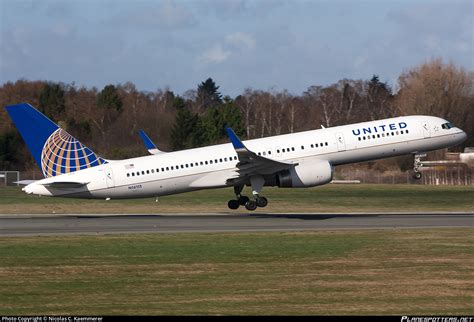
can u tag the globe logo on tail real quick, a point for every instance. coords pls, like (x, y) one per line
(62, 153)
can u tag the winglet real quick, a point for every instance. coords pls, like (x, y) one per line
(152, 149)
(236, 142)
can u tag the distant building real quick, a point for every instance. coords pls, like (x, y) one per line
(456, 169)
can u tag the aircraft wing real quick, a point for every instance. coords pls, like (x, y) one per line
(251, 164)
(151, 147)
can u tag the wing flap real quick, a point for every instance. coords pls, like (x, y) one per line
(251, 164)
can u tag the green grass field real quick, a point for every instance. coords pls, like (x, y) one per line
(401, 272)
(328, 198)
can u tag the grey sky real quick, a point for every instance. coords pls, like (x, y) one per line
(260, 44)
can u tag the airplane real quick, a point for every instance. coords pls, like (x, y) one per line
(297, 160)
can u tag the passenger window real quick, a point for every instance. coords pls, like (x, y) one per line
(359, 138)
(133, 174)
(293, 149)
(167, 169)
(302, 147)
(406, 131)
(147, 171)
(128, 174)
(220, 160)
(210, 161)
(152, 171)
(327, 144)
(312, 145)
(157, 170)
(143, 172)
(316, 145)
(269, 152)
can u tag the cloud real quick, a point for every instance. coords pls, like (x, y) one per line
(241, 40)
(215, 55)
(168, 15)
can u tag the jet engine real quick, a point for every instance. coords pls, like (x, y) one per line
(308, 174)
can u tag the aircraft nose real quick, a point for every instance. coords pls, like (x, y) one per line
(462, 136)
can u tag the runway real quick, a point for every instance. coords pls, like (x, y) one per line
(37, 225)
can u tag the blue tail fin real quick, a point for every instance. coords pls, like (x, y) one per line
(55, 151)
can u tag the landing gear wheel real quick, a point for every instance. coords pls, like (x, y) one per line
(233, 204)
(262, 202)
(251, 205)
(417, 175)
(243, 200)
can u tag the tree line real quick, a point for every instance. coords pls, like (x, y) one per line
(108, 120)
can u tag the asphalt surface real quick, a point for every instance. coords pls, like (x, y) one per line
(36, 225)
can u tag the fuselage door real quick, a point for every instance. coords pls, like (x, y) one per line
(341, 144)
(109, 177)
(426, 129)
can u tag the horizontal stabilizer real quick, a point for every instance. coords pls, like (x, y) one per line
(64, 184)
(25, 182)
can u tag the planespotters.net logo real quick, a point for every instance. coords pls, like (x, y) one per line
(437, 319)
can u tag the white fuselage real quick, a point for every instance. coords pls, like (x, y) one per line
(212, 166)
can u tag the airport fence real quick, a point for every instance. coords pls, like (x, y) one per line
(430, 176)
(8, 178)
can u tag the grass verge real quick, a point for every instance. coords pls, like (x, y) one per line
(329, 198)
(401, 272)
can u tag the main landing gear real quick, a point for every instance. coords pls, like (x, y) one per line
(417, 165)
(258, 201)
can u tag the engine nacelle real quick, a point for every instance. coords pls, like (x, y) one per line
(308, 174)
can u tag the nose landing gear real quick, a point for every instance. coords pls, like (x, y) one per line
(417, 165)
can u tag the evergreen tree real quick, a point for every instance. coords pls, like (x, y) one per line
(52, 101)
(109, 99)
(208, 94)
(187, 129)
(10, 142)
(218, 117)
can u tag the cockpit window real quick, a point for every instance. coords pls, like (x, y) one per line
(447, 126)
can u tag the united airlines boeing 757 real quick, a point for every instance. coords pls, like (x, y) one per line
(298, 160)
